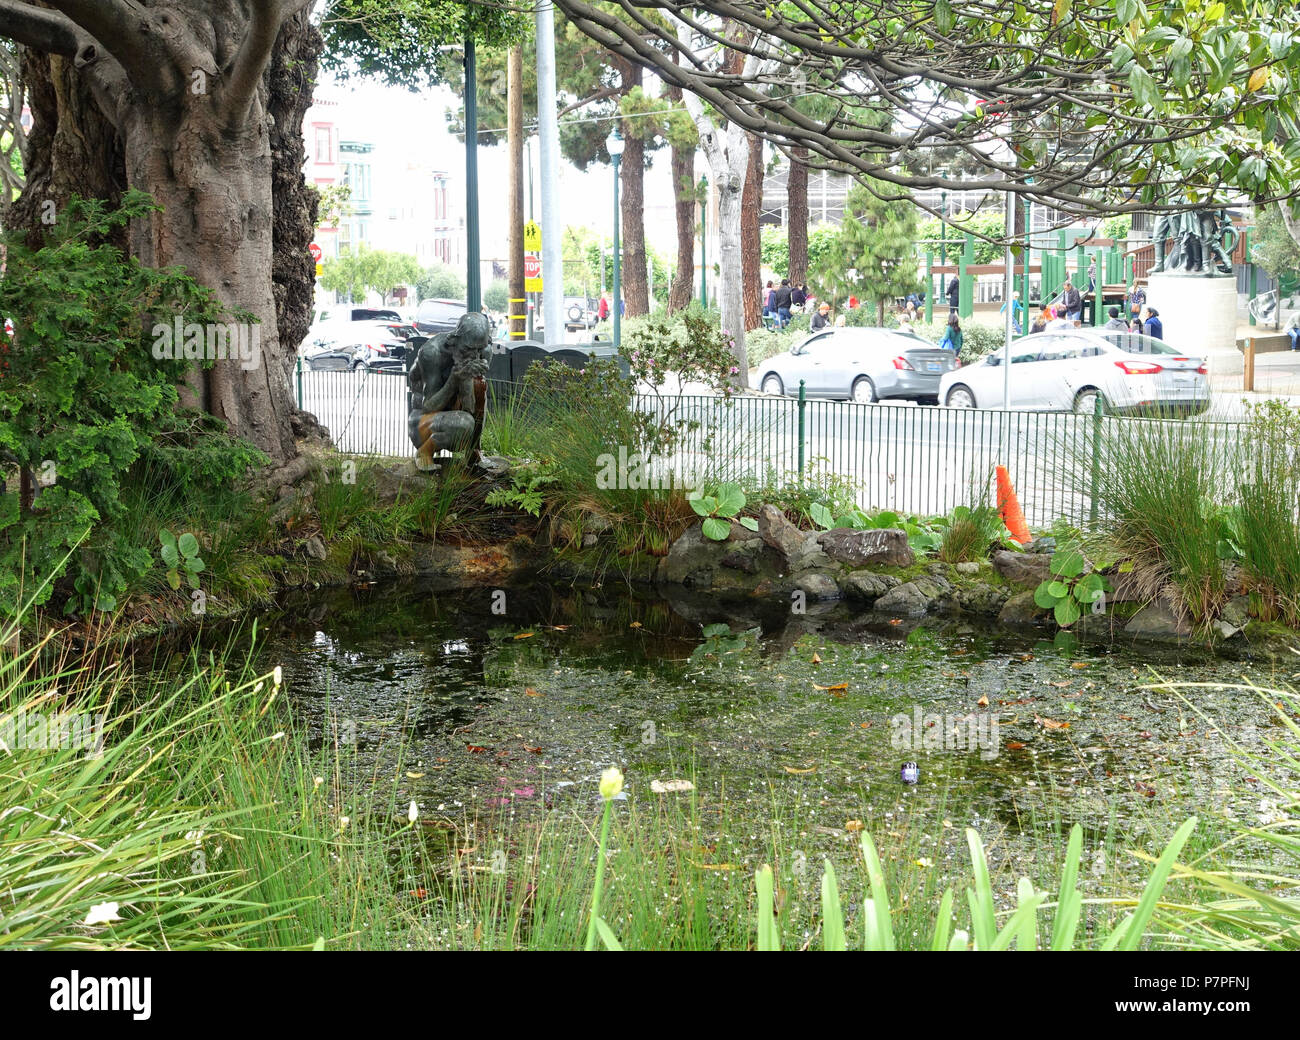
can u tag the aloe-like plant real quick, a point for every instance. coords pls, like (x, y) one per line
(1020, 927)
(719, 509)
(1069, 590)
(181, 555)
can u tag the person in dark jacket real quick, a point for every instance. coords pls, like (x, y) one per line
(783, 301)
(1072, 302)
(954, 295)
(821, 319)
(1152, 324)
(798, 296)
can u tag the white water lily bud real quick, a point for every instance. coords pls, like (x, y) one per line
(611, 783)
(277, 676)
(413, 813)
(343, 823)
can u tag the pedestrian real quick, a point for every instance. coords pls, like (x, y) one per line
(1135, 326)
(1293, 330)
(852, 303)
(1092, 276)
(1072, 302)
(602, 309)
(954, 295)
(783, 300)
(839, 321)
(1135, 300)
(952, 336)
(821, 319)
(1116, 322)
(904, 319)
(1152, 324)
(798, 296)
(1017, 309)
(769, 302)
(1040, 323)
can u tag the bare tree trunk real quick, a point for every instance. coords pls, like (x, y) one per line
(683, 174)
(796, 188)
(635, 289)
(750, 246)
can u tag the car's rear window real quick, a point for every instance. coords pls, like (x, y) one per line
(1135, 343)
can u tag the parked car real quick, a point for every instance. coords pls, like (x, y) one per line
(435, 316)
(344, 331)
(579, 312)
(378, 353)
(1067, 370)
(860, 364)
(337, 314)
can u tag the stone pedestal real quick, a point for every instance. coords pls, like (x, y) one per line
(1199, 313)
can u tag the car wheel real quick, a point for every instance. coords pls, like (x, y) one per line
(575, 313)
(1085, 401)
(864, 390)
(960, 397)
(772, 385)
(357, 366)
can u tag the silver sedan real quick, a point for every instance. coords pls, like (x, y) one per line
(863, 365)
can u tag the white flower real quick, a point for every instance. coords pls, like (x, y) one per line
(413, 813)
(343, 823)
(277, 676)
(611, 783)
(103, 913)
(319, 780)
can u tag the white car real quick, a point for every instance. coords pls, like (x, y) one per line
(1067, 370)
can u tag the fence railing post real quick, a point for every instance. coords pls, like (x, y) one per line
(1096, 461)
(803, 404)
(300, 381)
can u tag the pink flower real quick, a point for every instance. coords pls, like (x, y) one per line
(733, 370)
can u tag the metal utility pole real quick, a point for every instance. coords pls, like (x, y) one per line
(515, 133)
(473, 274)
(704, 242)
(548, 129)
(1008, 281)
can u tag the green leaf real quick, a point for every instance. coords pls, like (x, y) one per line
(607, 935)
(716, 529)
(1068, 563)
(1043, 595)
(1067, 613)
(943, 17)
(1058, 590)
(174, 578)
(167, 538)
(731, 500)
(821, 516)
(748, 522)
(768, 939)
(879, 921)
(188, 544)
(832, 915)
(1068, 901)
(1145, 90)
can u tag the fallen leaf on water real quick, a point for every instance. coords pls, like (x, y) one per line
(1026, 657)
(1063, 682)
(635, 624)
(415, 776)
(713, 866)
(478, 932)
(798, 772)
(671, 786)
(852, 826)
(1146, 790)
(525, 635)
(443, 760)
(530, 692)
(1015, 745)
(1078, 664)
(419, 893)
(864, 725)
(833, 686)
(532, 750)
(1145, 735)
(983, 702)
(560, 628)
(1126, 718)
(1050, 723)
(895, 621)
(475, 749)
(816, 658)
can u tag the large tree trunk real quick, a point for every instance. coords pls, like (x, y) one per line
(683, 174)
(635, 288)
(751, 250)
(200, 106)
(796, 203)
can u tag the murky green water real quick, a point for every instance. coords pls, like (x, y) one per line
(517, 711)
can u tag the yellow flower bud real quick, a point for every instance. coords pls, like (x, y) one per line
(611, 783)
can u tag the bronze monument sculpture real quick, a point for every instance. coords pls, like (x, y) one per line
(448, 383)
(1203, 242)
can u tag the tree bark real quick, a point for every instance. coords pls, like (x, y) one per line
(751, 251)
(635, 282)
(796, 203)
(199, 105)
(683, 174)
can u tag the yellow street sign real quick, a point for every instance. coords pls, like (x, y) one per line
(320, 268)
(532, 237)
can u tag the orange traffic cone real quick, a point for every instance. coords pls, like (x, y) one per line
(1009, 508)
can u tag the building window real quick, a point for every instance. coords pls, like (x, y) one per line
(323, 154)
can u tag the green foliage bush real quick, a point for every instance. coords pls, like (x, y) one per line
(84, 404)
(441, 282)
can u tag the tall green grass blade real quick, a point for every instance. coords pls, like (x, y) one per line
(1128, 933)
(980, 897)
(1069, 903)
(768, 939)
(832, 915)
(880, 919)
(943, 925)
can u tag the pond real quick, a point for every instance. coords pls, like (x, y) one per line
(507, 704)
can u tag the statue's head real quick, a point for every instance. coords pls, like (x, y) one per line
(473, 330)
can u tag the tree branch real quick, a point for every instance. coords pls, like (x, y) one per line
(117, 25)
(38, 28)
(255, 53)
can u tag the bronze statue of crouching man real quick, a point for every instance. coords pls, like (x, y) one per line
(448, 384)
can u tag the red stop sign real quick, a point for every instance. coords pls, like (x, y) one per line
(315, 252)
(532, 267)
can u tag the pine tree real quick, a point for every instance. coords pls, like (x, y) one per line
(873, 256)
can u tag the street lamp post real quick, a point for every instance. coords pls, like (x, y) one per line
(614, 145)
(704, 242)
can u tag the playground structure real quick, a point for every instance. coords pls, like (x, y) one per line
(1040, 273)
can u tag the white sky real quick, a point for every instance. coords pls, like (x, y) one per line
(399, 122)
